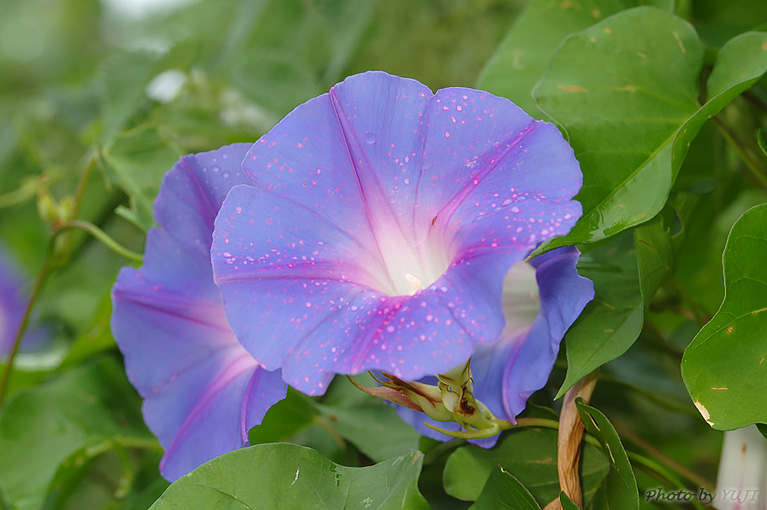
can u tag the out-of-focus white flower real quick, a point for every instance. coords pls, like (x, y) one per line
(742, 479)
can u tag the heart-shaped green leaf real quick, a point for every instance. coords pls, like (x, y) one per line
(288, 476)
(723, 368)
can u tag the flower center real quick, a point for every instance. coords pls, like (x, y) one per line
(412, 261)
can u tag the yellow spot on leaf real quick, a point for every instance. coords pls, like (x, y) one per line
(719, 388)
(764, 46)
(568, 88)
(607, 30)
(596, 12)
(626, 88)
(729, 329)
(515, 56)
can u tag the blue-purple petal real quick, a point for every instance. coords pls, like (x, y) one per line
(202, 390)
(563, 294)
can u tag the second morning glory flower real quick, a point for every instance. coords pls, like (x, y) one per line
(379, 226)
(202, 391)
(541, 300)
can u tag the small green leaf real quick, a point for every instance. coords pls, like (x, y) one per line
(373, 427)
(739, 64)
(654, 254)
(611, 323)
(761, 139)
(567, 503)
(723, 368)
(284, 419)
(503, 491)
(136, 162)
(762, 428)
(619, 490)
(288, 477)
(96, 338)
(40, 427)
(286, 51)
(259, 73)
(522, 57)
(122, 81)
(530, 455)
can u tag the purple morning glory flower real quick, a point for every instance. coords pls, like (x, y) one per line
(13, 302)
(379, 226)
(202, 390)
(541, 300)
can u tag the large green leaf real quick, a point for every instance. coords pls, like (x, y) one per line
(503, 491)
(625, 91)
(619, 490)
(288, 476)
(621, 90)
(610, 323)
(530, 455)
(723, 368)
(522, 57)
(78, 414)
